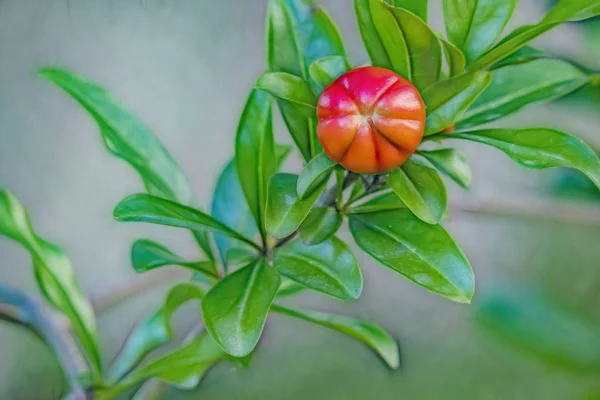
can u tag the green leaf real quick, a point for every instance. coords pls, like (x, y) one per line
(128, 138)
(543, 328)
(424, 253)
(452, 163)
(289, 288)
(421, 189)
(314, 175)
(54, 275)
(255, 153)
(290, 88)
(417, 7)
(366, 24)
(327, 69)
(328, 267)
(412, 46)
(340, 176)
(358, 191)
(454, 57)
(539, 148)
(516, 86)
(147, 255)
(449, 99)
(523, 55)
(474, 25)
(320, 224)
(367, 332)
(156, 210)
(285, 211)
(235, 309)
(573, 10)
(382, 201)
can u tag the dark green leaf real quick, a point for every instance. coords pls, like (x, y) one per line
(327, 69)
(373, 43)
(391, 38)
(539, 148)
(54, 275)
(541, 327)
(156, 210)
(128, 138)
(316, 172)
(329, 267)
(513, 87)
(290, 88)
(340, 176)
(369, 333)
(424, 253)
(452, 163)
(255, 153)
(448, 100)
(474, 25)
(147, 255)
(382, 201)
(421, 189)
(417, 7)
(521, 56)
(454, 57)
(320, 224)
(285, 211)
(235, 309)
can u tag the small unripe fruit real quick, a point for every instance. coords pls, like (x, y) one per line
(371, 120)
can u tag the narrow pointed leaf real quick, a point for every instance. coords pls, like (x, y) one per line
(327, 69)
(290, 88)
(452, 163)
(516, 86)
(421, 189)
(285, 211)
(147, 255)
(367, 332)
(386, 201)
(156, 210)
(316, 172)
(573, 10)
(329, 267)
(417, 7)
(320, 224)
(424, 253)
(373, 43)
(54, 275)
(539, 148)
(521, 56)
(128, 138)
(235, 309)
(392, 39)
(454, 57)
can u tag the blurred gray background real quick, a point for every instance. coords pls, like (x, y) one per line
(186, 68)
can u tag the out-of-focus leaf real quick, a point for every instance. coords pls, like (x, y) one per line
(539, 148)
(54, 275)
(285, 211)
(367, 332)
(289, 287)
(156, 210)
(235, 309)
(385, 201)
(316, 172)
(255, 153)
(327, 69)
(417, 7)
(539, 326)
(449, 99)
(358, 190)
(474, 25)
(290, 88)
(128, 138)
(320, 224)
(454, 57)
(452, 163)
(147, 255)
(523, 55)
(329, 267)
(573, 10)
(421, 189)
(424, 253)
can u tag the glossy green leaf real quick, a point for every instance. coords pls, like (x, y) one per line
(523, 55)
(289, 288)
(367, 332)
(156, 210)
(290, 88)
(539, 148)
(454, 57)
(452, 163)
(543, 328)
(340, 176)
(235, 309)
(54, 275)
(516, 86)
(448, 100)
(327, 69)
(314, 175)
(474, 25)
(285, 211)
(358, 191)
(382, 201)
(128, 138)
(255, 153)
(320, 224)
(419, 58)
(373, 43)
(417, 7)
(424, 253)
(421, 189)
(178, 296)
(147, 255)
(328, 267)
